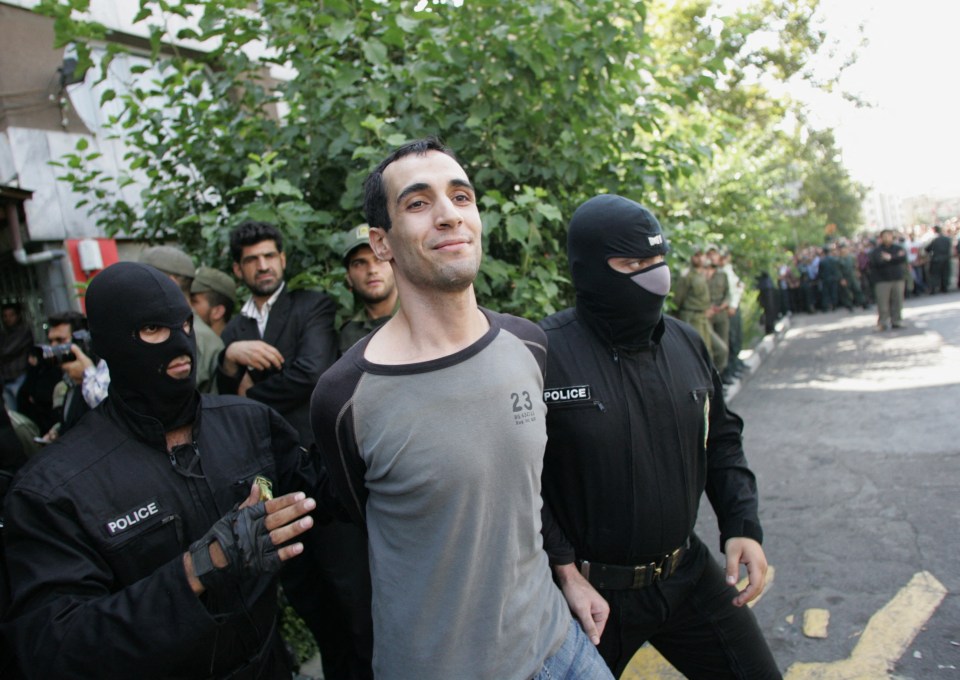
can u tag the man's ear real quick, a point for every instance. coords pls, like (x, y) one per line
(217, 312)
(380, 244)
(237, 271)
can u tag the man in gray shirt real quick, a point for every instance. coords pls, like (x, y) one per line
(433, 429)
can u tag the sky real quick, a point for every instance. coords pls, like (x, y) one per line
(908, 143)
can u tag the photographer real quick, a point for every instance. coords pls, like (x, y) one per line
(65, 358)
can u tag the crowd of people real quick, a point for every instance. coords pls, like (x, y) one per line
(845, 273)
(441, 490)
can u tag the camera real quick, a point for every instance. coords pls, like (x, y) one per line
(58, 355)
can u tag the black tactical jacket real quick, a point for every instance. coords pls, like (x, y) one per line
(96, 529)
(634, 439)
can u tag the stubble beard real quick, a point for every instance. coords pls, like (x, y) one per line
(265, 290)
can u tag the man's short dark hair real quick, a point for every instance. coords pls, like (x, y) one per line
(77, 321)
(375, 194)
(251, 233)
(15, 306)
(214, 298)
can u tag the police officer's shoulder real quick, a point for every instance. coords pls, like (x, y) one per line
(559, 320)
(70, 456)
(214, 402)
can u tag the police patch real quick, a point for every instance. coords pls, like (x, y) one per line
(141, 514)
(566, 395)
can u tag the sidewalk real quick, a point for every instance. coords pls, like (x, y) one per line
(752, 358)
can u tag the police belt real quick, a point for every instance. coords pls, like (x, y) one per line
(619, 577)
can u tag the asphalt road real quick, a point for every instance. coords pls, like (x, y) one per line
(854, 437)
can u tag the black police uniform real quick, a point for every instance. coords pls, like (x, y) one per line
(97, 526)
(637, 430)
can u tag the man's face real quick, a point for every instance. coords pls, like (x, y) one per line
(201, 306)
(59, 334)
(369, 278)
(886, 238)
(178, 368)
(435, 240)
(10, 318)
(261, 268)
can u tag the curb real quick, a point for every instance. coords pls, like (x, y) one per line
(752, 358)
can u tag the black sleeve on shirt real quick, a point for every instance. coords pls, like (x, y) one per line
(731, 485)
(332, 422)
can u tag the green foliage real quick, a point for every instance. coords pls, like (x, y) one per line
(296, 634)
(546, 102)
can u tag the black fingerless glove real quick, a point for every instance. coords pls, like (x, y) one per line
(246, 544)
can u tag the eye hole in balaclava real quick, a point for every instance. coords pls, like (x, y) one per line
(123, 299)
(623, 307)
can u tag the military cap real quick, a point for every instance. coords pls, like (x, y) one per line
(356, 237)
(169, 260)
(208, 279)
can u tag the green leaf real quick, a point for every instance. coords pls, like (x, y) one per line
(374, 51)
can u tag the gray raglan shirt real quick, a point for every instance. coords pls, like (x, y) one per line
(442, 460)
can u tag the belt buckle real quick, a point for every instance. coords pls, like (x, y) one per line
(640, 574)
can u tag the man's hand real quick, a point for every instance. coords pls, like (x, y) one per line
(255, 354)
(584, 601)
(246, 382)
(748, 552)
(74, 369)
(244, 543)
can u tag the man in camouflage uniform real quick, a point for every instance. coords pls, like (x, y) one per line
(691, 295)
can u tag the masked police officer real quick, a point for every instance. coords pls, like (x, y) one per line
(143, 543)
(637, 429)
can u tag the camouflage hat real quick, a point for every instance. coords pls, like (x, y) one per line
(356, 237)
(169, 260)
(208, 279)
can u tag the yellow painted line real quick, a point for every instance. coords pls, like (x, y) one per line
(649, 664)
(886, 637)
(815, 623)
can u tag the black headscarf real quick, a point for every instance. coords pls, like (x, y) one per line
(121, 300)
(624, 309)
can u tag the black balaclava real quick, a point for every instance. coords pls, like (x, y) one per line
(121, 300)
(624, 309)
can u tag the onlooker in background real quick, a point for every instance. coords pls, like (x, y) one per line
(810, 279)
(863, 267)
(691, 295)
(850, 293)
(788, 277)
(734, 365)
(276, 350)
(830, 276)
(213, 295)
(912, 279)
(888, 263)
(719, 286)
(939, 251)
(15, 343)
(371, 281)
(180, 268)
(68, 401)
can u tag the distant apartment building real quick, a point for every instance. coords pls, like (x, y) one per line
(883, 211)
(50, 247)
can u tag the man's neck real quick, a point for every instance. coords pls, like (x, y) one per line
(181, 435)
(428, 327)
(376, 310)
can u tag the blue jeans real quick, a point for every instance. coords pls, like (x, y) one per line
(577, 659)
